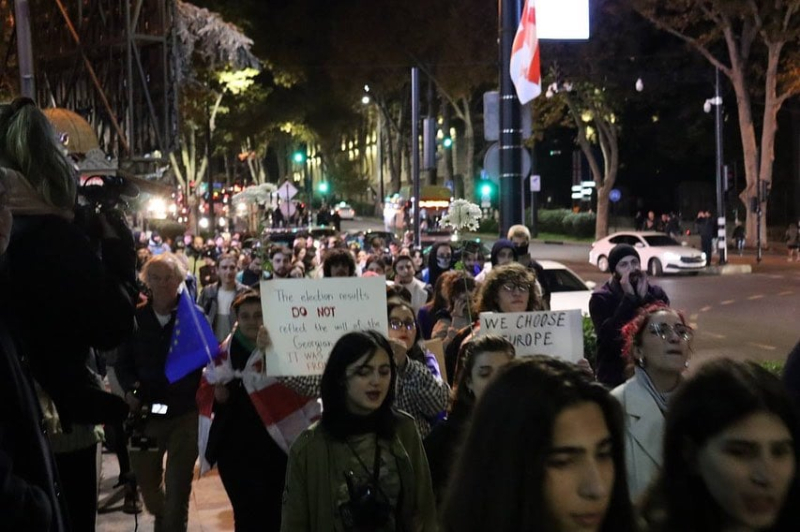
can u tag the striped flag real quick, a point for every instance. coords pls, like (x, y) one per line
(285, 413)
(526, 72)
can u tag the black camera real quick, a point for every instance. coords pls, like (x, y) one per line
(136, 424)
(368, 507)
(104, 193)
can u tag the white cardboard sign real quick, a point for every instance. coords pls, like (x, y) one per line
(558, 333)
(305, 318)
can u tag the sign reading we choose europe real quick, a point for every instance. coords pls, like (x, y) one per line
(305, 318)
(558, 333)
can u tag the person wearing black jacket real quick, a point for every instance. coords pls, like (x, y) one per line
(68, 284)
(29, 498)
(140, 370)
(616, 303)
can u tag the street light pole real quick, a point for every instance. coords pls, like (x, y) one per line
(722, 244)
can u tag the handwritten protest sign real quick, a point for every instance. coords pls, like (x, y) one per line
(556, 333)
(305, 318)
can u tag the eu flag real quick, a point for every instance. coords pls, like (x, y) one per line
(193, 344)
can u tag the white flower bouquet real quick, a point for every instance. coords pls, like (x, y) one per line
(462, 215)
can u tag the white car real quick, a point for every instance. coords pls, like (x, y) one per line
(346, 212)
(567, 290)
(659, 253)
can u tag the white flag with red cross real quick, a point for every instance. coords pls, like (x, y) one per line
(526, 72)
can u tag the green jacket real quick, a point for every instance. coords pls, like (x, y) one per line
(309, 502)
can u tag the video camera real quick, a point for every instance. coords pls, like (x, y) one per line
(136, 424)
(106, 192)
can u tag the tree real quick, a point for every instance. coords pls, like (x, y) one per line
(589, 109)
(727, 34)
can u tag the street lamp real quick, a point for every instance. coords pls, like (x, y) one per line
(716, 102)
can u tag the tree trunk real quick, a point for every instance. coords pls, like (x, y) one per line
(601, 222)
(447, 154)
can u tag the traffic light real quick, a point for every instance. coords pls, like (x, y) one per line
(486, 192)
(486, 189)
(299, 157)
(323, 187)
(447, 142)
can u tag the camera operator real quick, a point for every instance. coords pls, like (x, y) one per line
(616, 303)
(66, 287)
(163, 415)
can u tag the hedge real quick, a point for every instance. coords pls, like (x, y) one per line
(566, 222)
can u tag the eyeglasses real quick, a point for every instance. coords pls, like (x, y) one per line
(396, 324)
(520, 288)
(684, 332)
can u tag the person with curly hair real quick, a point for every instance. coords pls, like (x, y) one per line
(657, 345)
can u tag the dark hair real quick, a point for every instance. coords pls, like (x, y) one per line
(458, 284)
(338, 257)
(439, 301)
(246, 297)
(415, 353)
(721, 393)
(376, 259)
(348, 349)
(228, 256)
(487, 297)
(283, 250)
(399, 291)
(463, 400)
(29, 145)
(506, 448)
(434, 271)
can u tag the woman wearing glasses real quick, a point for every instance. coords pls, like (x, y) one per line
(657, 345)
(508, 288)
(420, 389)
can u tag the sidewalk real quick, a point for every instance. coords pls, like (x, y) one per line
(209, 508)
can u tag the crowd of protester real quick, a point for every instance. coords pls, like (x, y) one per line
(431, 426)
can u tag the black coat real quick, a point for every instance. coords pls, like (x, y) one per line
(610, 309)
(60, 299)
(29, 494)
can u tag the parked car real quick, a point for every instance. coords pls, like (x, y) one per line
(567, 290)
(659, 253)
(346, 212)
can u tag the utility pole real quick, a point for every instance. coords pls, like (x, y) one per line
(415, 152)
(22, 24)
(511, 199)
(722, 245)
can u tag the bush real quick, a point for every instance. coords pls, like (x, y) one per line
(589, 342)
(773, 366)
(489, 225)
(552, 221)
(580, 224)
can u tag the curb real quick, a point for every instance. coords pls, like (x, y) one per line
(728, 269)
(556, 242)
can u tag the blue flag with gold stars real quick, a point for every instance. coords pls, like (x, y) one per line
(193, 344)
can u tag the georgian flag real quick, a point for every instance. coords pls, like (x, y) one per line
(284, 412)
(526, 72)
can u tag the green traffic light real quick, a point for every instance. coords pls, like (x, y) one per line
(323, 187)
(299, 157)
(447, 142)
(486, 190)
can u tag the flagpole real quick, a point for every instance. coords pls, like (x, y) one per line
(510, 123)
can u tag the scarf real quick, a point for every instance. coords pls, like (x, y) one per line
(661, 399)
(23, 199)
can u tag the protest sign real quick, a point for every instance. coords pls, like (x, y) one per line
(558, 333)
(305, 318)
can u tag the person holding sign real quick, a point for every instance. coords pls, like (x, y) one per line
(482, 357)
(420, 389)
(657, 344)
(508, 288)
(544, 451)
(362, 467)
(616, 303)
(731, 454)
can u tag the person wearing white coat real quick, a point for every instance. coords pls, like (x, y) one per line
(657, 343)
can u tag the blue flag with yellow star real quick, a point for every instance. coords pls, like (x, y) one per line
(193, 344)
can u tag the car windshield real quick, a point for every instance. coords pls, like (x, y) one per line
(660, 241)
(563, 281)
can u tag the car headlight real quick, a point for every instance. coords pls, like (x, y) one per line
(671, 256)
(703, 256)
